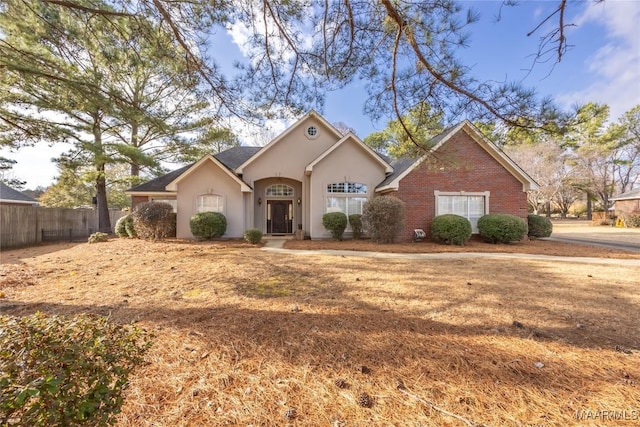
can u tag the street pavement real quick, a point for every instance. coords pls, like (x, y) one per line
(580, 232)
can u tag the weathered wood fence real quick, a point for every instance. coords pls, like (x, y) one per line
(29, 225)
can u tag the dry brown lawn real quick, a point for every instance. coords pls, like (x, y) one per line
(242, 335)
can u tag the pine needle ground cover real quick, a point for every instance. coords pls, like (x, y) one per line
(245, 337)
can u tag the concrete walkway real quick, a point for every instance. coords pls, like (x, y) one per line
(276, 246)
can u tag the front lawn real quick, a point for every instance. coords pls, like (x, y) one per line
(243, 335)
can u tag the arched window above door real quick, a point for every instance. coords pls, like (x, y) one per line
(279, 190)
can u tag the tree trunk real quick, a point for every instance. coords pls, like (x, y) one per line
(547, 207)
(104, 222)
(589, 208)
(135, 167)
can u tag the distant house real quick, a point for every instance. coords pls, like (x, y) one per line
(9, 196)
(311, 169)
(627, 203)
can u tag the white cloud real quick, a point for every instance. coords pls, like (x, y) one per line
(615, 66)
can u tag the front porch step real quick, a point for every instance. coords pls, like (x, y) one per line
(278, 237)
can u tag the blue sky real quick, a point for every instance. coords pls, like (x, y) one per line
(602, 66)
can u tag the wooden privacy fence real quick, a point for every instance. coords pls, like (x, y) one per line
(29, 225)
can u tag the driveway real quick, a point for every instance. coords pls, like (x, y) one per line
(581, 232)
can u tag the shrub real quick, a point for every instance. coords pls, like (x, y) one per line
(130, 227)
(153, 220)
(208, 225)
(355, 221)
(98, 237)
(539, 226)
(633, 219)
(253, 235)
(336, 223)
(65, 371)
(502, 228)
(383, 218)
(121, 228)
(451, 229)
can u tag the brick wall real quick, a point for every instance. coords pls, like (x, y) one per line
(136, 200)
(459, 165)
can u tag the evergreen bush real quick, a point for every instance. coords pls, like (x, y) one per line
(253, 236)
(502, 228)
(451, 229)
(65, 371)
(355, 220)
(336, 223)
(121, 227)
(383, 218)
(208, 225)
(98, 237)
(154, 220)
(539, 226)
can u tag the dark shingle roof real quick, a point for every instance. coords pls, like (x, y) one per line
(9, 194)
(629, 195)
(399, 166)
(231, 158)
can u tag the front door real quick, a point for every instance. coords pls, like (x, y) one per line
(279, 216)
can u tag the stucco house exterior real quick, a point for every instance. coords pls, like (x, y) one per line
(311, 168)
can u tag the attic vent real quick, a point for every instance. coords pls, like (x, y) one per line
(312, 132)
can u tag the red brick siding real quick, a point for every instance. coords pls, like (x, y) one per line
(461, 165)
(626, 207)
(136, 200)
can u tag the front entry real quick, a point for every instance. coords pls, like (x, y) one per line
(279, 216)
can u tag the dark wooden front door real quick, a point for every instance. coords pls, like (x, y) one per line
(280, 219)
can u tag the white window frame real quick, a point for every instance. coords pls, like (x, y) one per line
(220, 201)
(485, 194)
(290, 191)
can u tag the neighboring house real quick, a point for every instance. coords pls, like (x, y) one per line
(627, 203)
(9, 196)
(312, 169)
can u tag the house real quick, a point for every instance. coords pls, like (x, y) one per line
(627, 203)
(10, 196)
(311, 168)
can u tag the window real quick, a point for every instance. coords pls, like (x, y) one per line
(347, 187)
(210, 203)
(341, 197)
(279, 190)
(172, 202)
(312, 131)
(470, 205)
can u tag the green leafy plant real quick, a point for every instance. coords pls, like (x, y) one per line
(383, 218)
(539, 226)
(154, 220)
(451, 229)
(336, 223)
(98, 237)
(121, 228)
(633, 219)
(253, 236)
(65, 371)
(355, 220)
(502, 228)
(208, 225)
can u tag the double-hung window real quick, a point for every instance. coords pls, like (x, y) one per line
(469, 205)
(210, 203)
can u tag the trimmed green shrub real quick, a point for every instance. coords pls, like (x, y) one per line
(253, 235)
(208, 225)
(121, 228)
(153, 220)
(336, 223)
(633, 220)
(539, 226)
(98, 237)
(502, 228)
(355, 220)
(383, 218)
(130, 227)
(451, 229)
(65, 371)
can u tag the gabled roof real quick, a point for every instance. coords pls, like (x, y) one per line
(8, 194)
(230, 158)
(358, 141)
(172, 186)
(312, 113)
(629, 195)
(402, 167)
